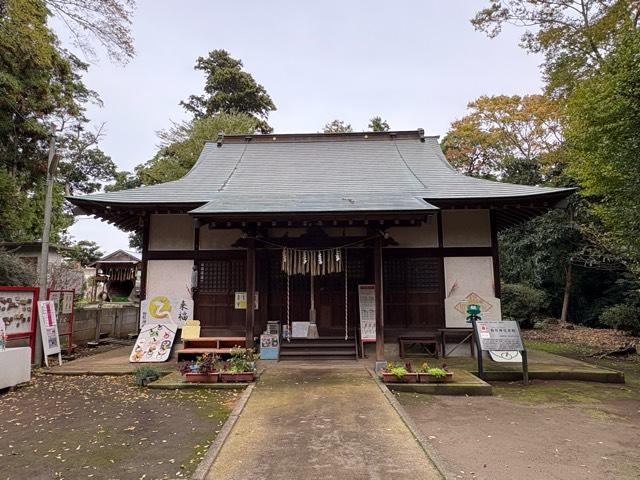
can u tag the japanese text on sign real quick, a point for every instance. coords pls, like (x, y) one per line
(504, 335)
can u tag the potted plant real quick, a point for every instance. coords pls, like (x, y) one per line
(399, 373)
(202, 370)
(427, 374)
(240, 367)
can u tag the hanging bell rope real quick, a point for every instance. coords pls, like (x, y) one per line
(346, 296)
(314, 262)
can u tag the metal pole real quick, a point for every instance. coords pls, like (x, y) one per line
(525, 368)
(46, 230)
(479, 347)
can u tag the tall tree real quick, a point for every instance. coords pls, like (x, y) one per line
(603, 136)
(182, 144)
(511, 138)
(107, 22)
(84, 252)
(41, 85)
(377, 124)
(229, 89)
(337, 126)
(573, 35)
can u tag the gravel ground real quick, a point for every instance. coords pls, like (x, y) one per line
(62, 427)
(549, 430)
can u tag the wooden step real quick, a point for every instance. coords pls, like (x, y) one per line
(316, 358)
(295, 345)
(320, 353)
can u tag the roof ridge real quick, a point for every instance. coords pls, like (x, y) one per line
(323, 137)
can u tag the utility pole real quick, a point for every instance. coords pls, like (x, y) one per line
(52, 165)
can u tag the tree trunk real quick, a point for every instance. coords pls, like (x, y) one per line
(567, 293)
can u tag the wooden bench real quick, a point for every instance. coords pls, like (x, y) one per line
(194, 347)
(428, 342)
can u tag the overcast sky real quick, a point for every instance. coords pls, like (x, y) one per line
(415, 63)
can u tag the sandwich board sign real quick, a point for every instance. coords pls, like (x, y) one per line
(49, 329)
(367, 301)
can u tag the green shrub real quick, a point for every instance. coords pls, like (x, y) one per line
(522, 303)
(145, 374)
(621, 317)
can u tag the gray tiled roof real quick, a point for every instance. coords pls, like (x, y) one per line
(354, 173)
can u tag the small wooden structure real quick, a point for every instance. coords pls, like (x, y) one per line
(117, 272)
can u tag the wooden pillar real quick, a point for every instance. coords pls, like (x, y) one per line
(196, 265)
(251, 290)
(377, 272)
(495, 254)
(443, 292)
(145, 255)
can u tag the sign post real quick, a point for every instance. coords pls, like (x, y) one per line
(63, 301)
(502, 335)
(49, 329)
(367, 304)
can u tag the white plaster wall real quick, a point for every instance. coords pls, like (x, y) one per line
(169, 277)
(466, 275)
(171, 232)
(466, 228)
(218, 239)
(422, 236)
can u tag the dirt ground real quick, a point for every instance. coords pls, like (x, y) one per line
(549, 430)
(61, 427)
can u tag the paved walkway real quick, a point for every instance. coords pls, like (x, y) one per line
(112, 362)
(309, 422)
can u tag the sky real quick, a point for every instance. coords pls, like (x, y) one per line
(415, 63)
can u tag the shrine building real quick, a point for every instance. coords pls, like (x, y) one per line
(298, 222)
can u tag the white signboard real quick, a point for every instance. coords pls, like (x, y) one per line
(164, 310)
(299, 329)
(504, 335)
(506, 356)
(241, 301)
(49, 329)
(153, 343)
(367, 300)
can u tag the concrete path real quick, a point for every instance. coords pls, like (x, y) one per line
(309, 422)
(112, 362)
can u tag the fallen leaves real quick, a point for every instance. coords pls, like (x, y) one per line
(83, 427)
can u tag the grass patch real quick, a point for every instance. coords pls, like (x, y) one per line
(600, 414)
(568, 392)
(564, 392)
(565, 349)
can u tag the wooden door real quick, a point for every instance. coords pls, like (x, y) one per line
(218, 280)
(413, 300)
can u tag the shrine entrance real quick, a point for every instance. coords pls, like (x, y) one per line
(333, 304)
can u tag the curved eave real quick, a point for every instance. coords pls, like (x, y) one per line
(126, 216)
(510, 211)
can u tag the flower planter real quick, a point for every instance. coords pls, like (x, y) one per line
(237, 377)
(201, 377)
(406, 378)
(428, 378)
